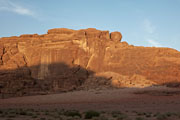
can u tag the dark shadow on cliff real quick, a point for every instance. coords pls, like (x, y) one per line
(172, 84)
(52, 78)
(43, 79)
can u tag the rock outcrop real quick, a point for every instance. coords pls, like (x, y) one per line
(116, 36)
(65, 59)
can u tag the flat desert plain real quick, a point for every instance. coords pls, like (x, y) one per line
(151, 103)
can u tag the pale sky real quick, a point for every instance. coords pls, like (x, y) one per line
(141, 22)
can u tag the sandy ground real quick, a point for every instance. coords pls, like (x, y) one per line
(152, 99)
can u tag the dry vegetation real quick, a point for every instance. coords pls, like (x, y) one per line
(61, 114)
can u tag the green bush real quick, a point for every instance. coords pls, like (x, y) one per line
(119, 115)
(42, 118)
(23, 113)
(101, 118)
(116, 113)
(30, 114)
(90, 114)
(46, 113)
(139, 118)
(161, 117)
(139, 113)
(148, 115)
(122, 117)
(34, 116)
(72, 113)
(168, 114)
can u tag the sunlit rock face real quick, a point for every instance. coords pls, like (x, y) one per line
(65, 59)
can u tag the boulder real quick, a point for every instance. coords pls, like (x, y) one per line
(116, 36)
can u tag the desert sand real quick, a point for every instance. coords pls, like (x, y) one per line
(157, 98)
(151, 103)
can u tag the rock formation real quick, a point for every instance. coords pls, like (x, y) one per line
(65, 59)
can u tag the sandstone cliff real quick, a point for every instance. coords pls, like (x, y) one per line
(65, 59)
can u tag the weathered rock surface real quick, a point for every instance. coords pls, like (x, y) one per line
(65, 59)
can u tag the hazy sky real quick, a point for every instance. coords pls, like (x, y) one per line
(141, 22)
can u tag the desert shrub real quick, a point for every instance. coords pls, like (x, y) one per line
(72, 113)
(11, 116)
(139, 118)
(31, 110)
(145, 114)
(155, 115)
(22, 112)
(60, 118)
(55, 116)
(60, 113)
(101, 118)
(178, 115)
(168, 114)
(38, 113)
(34, 116)
(115, 113)
(30, 114)
(5, 113)
(103, 112)
(2, 116)
(90, 114)
(118, 115)
(70, 119)
(139, 113)
(76, 118)
(14, 111)
(161, 117)
(148, 115)
(121, 117)
(9, 119)
(42, 118)
(1, 111)
(46, 113)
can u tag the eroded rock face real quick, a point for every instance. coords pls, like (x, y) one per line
(64, 59)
